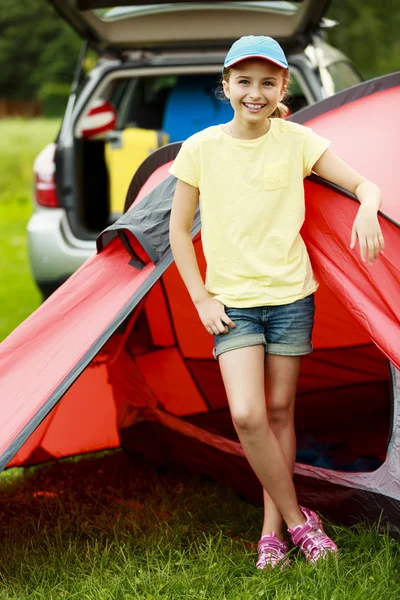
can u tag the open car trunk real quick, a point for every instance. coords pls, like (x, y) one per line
(102, 164)
(153, 107)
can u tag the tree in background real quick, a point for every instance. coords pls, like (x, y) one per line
(368, 32)
(36, 46)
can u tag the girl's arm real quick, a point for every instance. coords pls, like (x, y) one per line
(211, 312)
(183, 210)
(366, 225)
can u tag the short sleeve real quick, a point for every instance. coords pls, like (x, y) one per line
(185, 166)
(313, 148)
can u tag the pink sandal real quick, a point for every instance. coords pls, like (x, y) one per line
(272, 552)
(311, 538)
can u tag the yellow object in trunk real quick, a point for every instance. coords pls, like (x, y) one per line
(124, 153)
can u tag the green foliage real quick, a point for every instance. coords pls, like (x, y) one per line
(53, 98)
(368, 32)
(36, 46)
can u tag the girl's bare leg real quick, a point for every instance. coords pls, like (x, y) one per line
(244, 379)
(282, 373)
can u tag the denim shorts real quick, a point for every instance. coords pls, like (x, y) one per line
(284, 329)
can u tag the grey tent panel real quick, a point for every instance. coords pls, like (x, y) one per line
(148, 222)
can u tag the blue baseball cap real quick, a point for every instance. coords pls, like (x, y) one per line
(256, 46)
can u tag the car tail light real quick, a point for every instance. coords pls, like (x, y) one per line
(101, 118)
(44, 173)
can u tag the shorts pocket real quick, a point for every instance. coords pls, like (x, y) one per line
(276, 175)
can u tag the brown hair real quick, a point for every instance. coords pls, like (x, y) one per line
(281, 110)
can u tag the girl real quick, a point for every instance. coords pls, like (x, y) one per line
(258, 300)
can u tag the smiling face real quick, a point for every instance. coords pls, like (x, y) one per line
(254, 88)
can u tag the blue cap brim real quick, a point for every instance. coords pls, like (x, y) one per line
(236, 60)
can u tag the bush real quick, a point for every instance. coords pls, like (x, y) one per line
(53, 98)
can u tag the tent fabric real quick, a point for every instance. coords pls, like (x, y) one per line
(142, 182)
(121, 345)
(145, 227)
(375, 148)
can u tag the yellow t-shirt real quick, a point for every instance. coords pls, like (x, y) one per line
(252, 209)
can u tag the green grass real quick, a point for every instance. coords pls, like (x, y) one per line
(20, 142)
(100, 528)
(105, 529)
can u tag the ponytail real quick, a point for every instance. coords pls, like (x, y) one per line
(281, 112)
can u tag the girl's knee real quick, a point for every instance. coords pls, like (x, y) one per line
(246, 420)
(281, 413)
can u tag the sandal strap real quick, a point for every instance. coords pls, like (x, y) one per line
(272, 551)
(312, 538)
(269, 544)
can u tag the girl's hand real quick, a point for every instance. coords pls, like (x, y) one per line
(366, 228)
(213, 316)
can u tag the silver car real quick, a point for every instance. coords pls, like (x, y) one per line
(154, 84)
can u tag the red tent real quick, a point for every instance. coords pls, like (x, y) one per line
(118, 355)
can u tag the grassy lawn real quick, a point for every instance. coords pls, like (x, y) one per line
(104, 528)
(20, 142)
